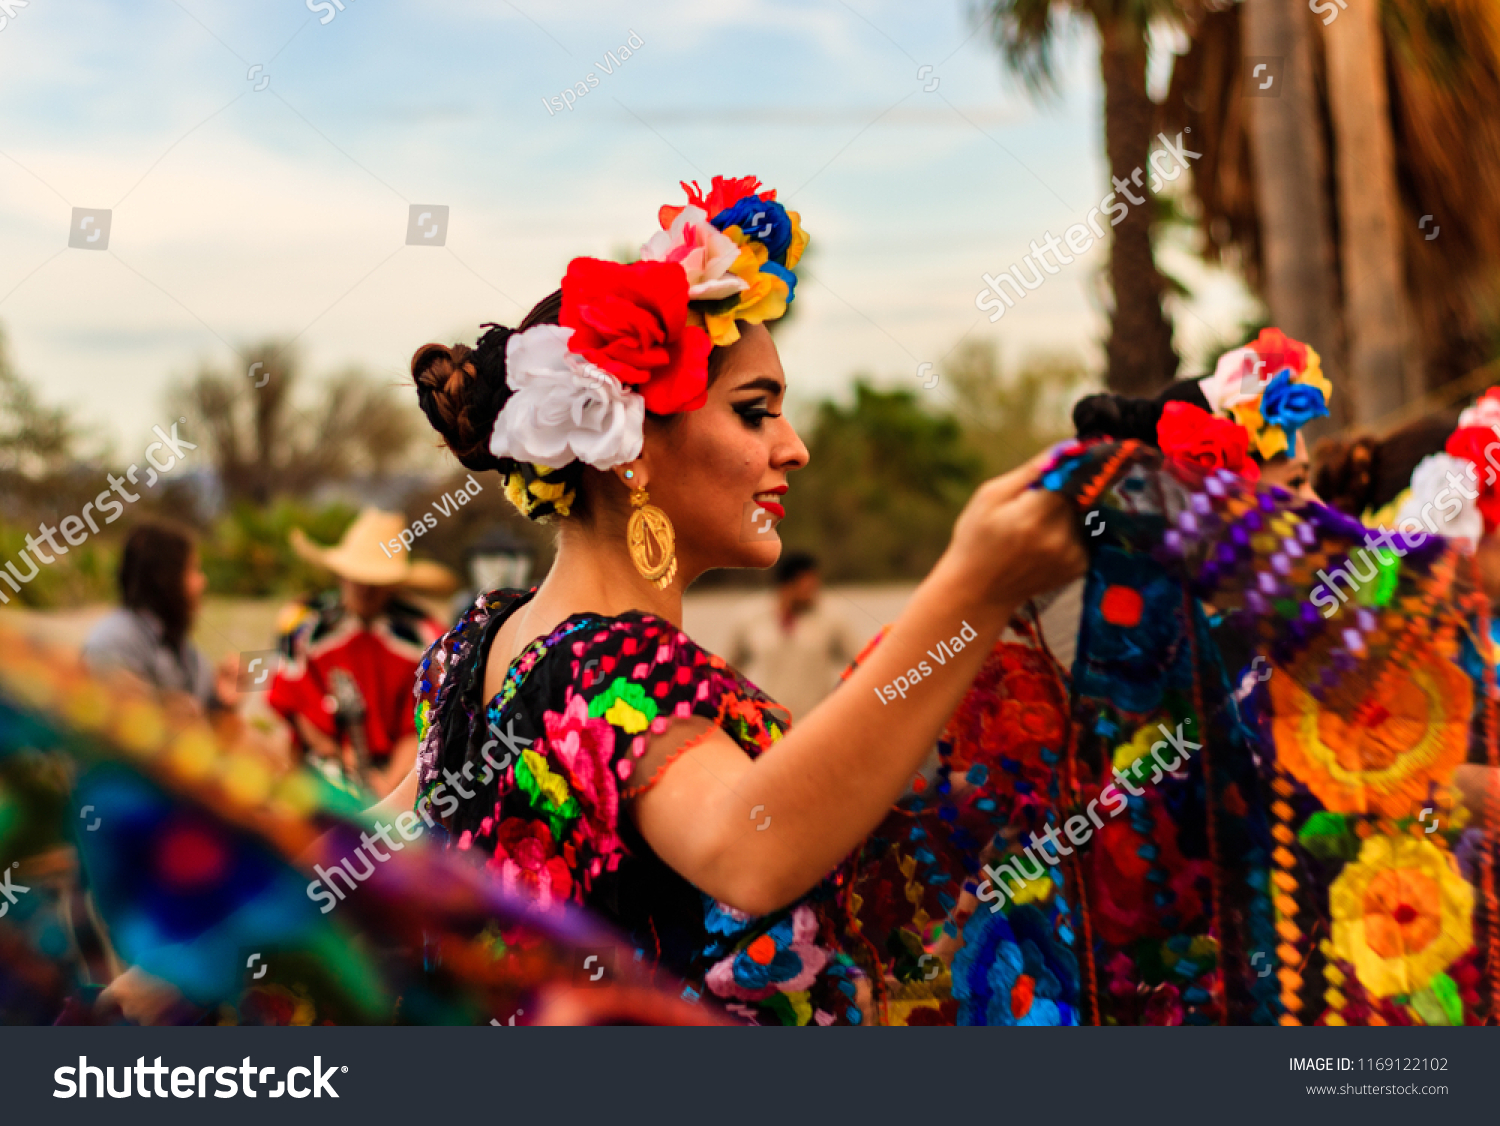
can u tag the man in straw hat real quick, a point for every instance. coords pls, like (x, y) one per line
(372, 631)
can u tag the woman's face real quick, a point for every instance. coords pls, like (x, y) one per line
(195, 583)
(1290, 472)
(719, 472)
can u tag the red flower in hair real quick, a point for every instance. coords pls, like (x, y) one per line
(1280, 351)
(632, 322)
(1481, 445)
(722, 195)
(1192, 434)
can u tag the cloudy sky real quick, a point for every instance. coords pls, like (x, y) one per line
(260, 167)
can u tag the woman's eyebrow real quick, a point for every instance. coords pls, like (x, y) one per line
(764, 383)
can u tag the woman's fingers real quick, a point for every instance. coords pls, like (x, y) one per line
(1010, 485)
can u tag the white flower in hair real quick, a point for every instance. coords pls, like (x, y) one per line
(1485, 412)
(1437, 505)
(1239, 377)
(704, 252)
(564, 408)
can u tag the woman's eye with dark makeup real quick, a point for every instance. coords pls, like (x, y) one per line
(754, 413)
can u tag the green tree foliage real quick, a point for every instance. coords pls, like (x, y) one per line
(1008, 418)
(247, 553)
(885, 481)
(889, 473)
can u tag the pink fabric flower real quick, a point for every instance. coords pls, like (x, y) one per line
(703, 251)
(1485, 412)
(1239, 377)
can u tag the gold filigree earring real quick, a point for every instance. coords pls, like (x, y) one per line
(652, 541)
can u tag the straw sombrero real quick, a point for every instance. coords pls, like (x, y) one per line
(364, 555)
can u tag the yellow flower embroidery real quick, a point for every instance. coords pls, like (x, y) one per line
(626, 718)
(1401, 914)
(554, 786)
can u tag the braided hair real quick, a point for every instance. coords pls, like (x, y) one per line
(462, 390)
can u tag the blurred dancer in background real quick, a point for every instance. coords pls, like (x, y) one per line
(366, 631)
(796, 653)
(161, 592)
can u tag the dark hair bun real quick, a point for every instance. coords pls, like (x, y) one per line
(1344, 473)
(461, 391)
(1118, 416)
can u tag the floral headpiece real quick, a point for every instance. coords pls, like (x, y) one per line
(1259, 395)
(1477, 441)
(1272, 387)
(636, 338)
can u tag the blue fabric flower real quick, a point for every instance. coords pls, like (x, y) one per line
(785, 275)
(765, 221)
(1291, 406)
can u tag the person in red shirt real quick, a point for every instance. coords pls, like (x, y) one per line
(371, 631)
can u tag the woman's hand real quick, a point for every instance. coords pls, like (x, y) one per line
(1015, 542)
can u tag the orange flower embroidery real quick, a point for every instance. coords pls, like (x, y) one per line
(1411, 730)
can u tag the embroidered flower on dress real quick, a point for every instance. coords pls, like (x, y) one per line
(526, 858)
(586, 746)
(1011, 971)
(1401, 914)
(784, 959)
(1410, 730)
(624, 704)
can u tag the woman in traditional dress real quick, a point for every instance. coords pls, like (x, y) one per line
(574, 739)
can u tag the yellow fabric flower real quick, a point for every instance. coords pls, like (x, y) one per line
(1402, 914)
(763, 300)
(1314, 377)
(799, 240)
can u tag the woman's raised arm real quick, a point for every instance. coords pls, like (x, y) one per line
(759, 833)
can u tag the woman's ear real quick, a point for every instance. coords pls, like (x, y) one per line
(632, 474)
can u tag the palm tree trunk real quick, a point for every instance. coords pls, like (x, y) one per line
(1141, 356)
(1286, 144)
(1376, 310)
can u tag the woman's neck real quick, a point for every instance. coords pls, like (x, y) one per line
(593, 572)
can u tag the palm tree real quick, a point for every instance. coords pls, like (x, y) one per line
(1290, 168)
(1441, 64)
(1140, 352)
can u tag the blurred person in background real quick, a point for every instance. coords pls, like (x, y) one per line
(161, 591)
(796, 652)
(373, 631)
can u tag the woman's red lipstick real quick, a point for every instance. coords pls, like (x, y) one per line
(771, 506)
